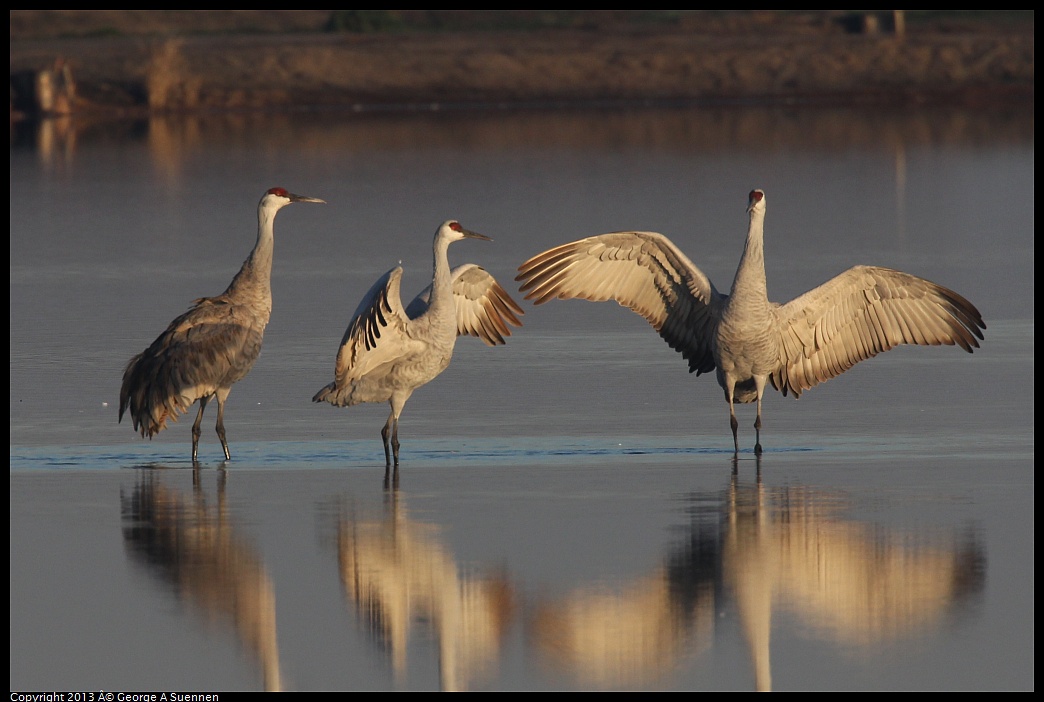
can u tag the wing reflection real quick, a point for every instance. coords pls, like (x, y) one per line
(193, 546)
(852, 583)
(398, 573)
(786, 550)
(631, 635)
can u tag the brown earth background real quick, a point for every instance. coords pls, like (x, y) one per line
(142, 61)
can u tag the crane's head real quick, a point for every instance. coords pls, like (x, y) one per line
(453, 231)
(276, 198)
(756, 200)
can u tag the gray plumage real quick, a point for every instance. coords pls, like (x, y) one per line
(211, 346)
(388, 350)
(750, 341)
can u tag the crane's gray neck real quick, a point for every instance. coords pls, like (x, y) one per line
(750, 275)
(255, 277)
(441, 282)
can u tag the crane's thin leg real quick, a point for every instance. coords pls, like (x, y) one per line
(390, 433)
(386, 437)
(729, 388)
(195, 426)
(221, 396)
(759, 383)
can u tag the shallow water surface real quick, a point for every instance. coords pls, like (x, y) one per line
(568, 513)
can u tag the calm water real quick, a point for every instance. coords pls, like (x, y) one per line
(568, 514)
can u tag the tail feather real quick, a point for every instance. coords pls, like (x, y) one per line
(338, 396)
(146, 399)
(324, 394)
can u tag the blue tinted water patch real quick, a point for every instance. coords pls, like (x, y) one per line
(82, 457)
(368, 454)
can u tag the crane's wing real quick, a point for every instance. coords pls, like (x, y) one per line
(643, 271)
(210, 346)
(859, 314)
(377, 333)
(484, 308)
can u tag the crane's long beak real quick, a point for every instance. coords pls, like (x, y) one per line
(474, 235)
(304, 198)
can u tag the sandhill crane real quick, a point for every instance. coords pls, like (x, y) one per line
(389, 351)
(211, 346)
(749, 340)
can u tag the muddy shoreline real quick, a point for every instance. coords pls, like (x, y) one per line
(131, 74)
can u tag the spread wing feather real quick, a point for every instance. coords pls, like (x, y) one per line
(376, 334)
(862, 312)
(643, 271)
(484, 308)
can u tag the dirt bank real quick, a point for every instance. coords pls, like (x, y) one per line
(729, 57)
